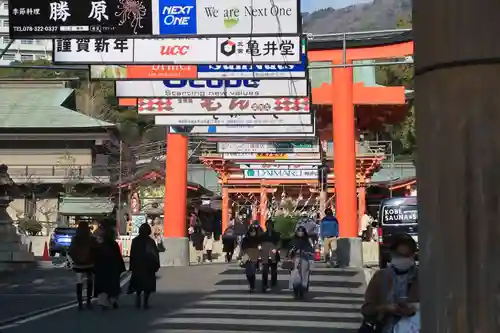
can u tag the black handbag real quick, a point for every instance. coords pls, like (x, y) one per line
(370, 327)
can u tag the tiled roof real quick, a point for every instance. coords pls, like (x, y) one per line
(41, 107)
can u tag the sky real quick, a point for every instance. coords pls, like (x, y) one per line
(312, 5)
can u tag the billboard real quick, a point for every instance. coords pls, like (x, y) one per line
(213, 88)
(232, 120)
(179, 51)
(273, 166)
(268, 147)
(231, 106)
(248, 131)
(280, 174)
(227, 18)
(271, 156)
(43, 19)
(162, 72)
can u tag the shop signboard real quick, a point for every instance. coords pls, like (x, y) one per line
(268, 147)
(230, 106)
(213, 88)
(162, 72)
(304, 131)
(221, 120)
(179, 51)
(274, 166)
(271, 156)
(280, 174)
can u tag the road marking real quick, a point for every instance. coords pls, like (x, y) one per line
(23, 319)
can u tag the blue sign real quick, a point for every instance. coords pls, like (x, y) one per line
(202, 84)
(284, 68)
(177, 17)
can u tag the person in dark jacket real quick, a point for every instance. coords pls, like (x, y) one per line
(229, 242)
(302, 255)
(250, 253)
(144, 263)
(270, 240)
(82, 252)
(197, 238)
(109, 266)
(329, 229)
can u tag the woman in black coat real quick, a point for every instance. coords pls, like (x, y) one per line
(144, 263)
(108, 268)
(197, 238)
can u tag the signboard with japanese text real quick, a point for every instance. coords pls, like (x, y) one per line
(231, 106)
(268, 147)
(247, 131)
(162, 72)
(42, 19)
(177, 51)
(280, 174)
(271, 166)
(45, 19)
(311, 164)
(221, 120)
(227, 18)
(213, 88)
(271, 156)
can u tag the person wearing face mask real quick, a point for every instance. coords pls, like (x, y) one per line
(393, 292)
(250, 253)
(270, 240)
(302, 255)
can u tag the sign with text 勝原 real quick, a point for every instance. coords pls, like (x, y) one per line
(177, 51)
(42, 19)
(162, 72)
(228, 106)
(227, 18)
(213, 88)
(280, 174)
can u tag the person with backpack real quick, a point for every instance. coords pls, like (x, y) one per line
(229, 242)
(82, 254)
(144, 263)
(393, 292)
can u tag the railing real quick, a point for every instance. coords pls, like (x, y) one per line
(65, 172)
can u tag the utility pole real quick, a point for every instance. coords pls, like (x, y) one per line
(457, 105)
(323, 170)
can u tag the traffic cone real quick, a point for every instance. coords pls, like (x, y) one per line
(317, 255)
(45, 256)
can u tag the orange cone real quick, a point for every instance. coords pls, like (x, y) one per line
(45, 256)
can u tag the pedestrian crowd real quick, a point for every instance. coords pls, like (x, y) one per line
(99, 266)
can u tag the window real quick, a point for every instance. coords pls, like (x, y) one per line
(26, 57)
(9, 56)
(6, 40)
(5, 6)
(5, 23)
(27, 41)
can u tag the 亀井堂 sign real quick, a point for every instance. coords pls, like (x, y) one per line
(210, 51)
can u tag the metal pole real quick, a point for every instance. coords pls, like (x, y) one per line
(358, 33)
(373, 64)
(120, 206)
(6, 48)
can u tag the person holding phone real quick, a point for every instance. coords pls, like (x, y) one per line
(393, 292)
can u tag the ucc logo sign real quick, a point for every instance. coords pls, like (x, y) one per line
(174, 50)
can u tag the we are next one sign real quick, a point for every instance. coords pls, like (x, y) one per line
(41, 19)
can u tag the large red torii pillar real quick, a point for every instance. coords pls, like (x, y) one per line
(175, 205)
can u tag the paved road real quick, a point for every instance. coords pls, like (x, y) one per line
(214, 298)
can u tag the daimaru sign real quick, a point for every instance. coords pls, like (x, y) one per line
(280, 174)
(222, 17)
(213, 88)
(177, 51)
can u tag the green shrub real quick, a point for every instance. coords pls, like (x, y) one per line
(285, 225)
(31, 226)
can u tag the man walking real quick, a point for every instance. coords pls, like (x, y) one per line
(329, 229)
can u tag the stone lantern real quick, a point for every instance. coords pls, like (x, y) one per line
(13, 253)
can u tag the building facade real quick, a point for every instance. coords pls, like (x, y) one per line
(24, 49)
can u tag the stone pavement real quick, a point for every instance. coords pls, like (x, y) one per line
(214, 298)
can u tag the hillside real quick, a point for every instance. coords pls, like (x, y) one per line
(381, 14)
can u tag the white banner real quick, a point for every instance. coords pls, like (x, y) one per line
(281, 174)
(312, 164)
(202, 106)
(249, 131)
(267, 147)
(270, 166)
(228, 18)
(211, 51)
(212, 88)
(259, 119)
(271, 156)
